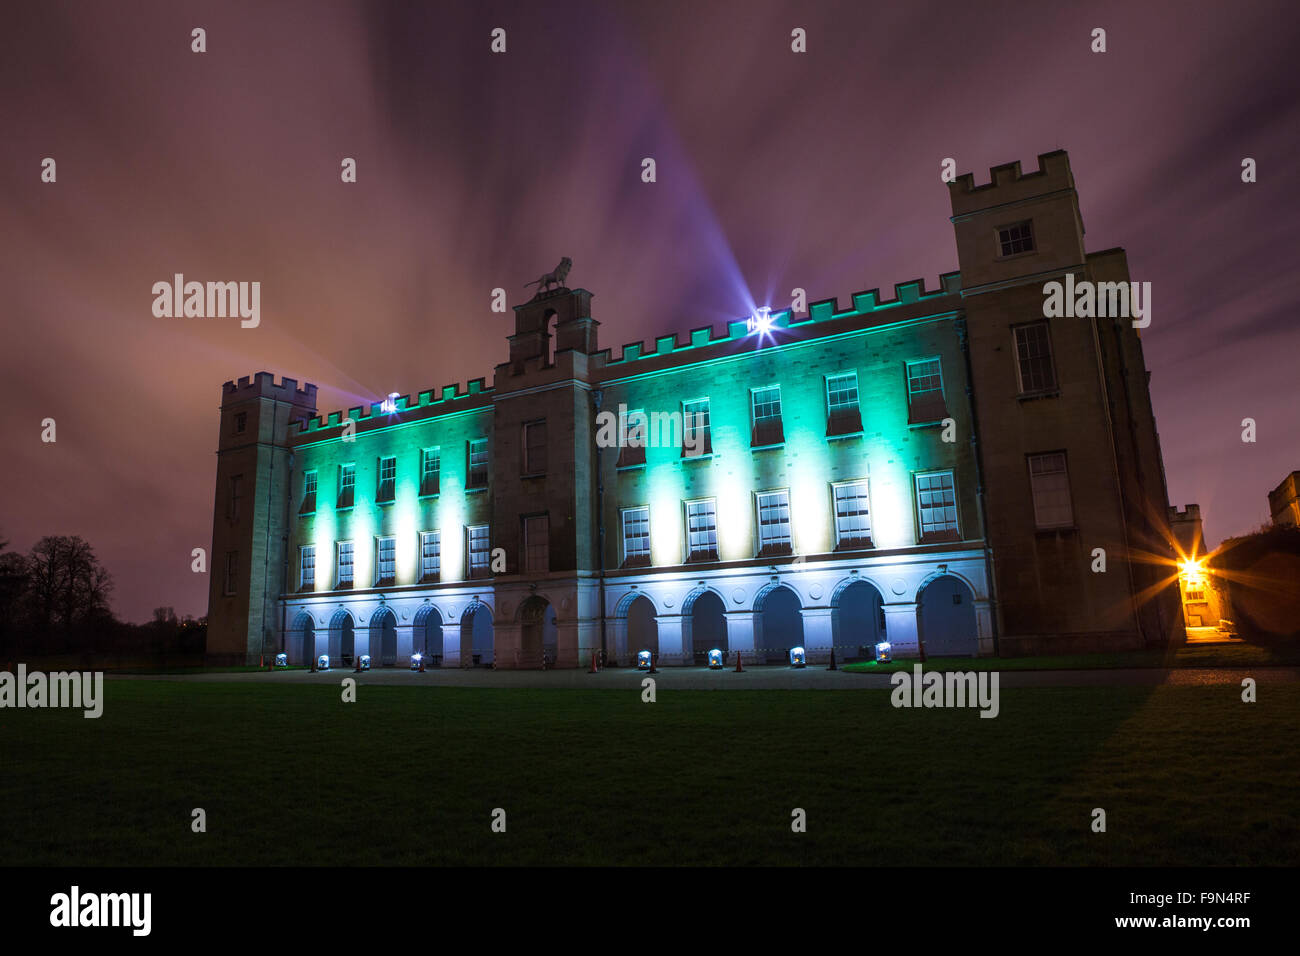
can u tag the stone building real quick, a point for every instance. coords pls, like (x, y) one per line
(946, 469)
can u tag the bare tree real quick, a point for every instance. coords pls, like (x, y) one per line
(68, 585)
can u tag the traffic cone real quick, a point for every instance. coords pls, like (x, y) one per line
(313, 663)
(654, 659)
(593, 668)
(421, 663)
(832, 667)
(739, 667)
(356, 663)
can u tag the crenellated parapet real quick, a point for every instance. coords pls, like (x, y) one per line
(263, 385)
(448, 399)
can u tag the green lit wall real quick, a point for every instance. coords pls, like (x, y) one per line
(888, 453)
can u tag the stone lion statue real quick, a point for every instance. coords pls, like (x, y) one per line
(554, 278)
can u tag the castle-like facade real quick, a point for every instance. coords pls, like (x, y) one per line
(948, 470)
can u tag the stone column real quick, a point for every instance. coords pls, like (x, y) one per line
(817, 637)
(900, 630)
(984, 628)
(451, 644)
(740, 635)
(671, 650)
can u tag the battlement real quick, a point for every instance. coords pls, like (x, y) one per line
(448, 394)
(1189, 513)
(262, 385)
(1007, 183)
(865, 304)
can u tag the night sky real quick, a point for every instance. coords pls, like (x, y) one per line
(476, 170)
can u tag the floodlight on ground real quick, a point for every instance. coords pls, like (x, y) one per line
(415, 661)
(323, 662)
(281, 660)
(882, 653)
(797, 657)
(643, 660)
(365, 662)
(715, 659)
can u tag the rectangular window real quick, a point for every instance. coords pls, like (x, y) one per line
(241, 423)
(307, 567)
(385, 561)
(1195, 592)
(852, 516)
(936, 506)
(236, 494)
(430, 555)
(632, 439)
(535, 448)
(843, 416)
(773, 523)
(308, 493)
(347, 485)
(765, 404)
(636, 537)
(702, 530)
(1016, 238)
(697, 438)
(387, 488)
(232, 572)
(477, 468)
(1034, 358)
(344, 564)
(430, 471)
(1050, 484)
(925, 392)
(480, 555)
(537, 544)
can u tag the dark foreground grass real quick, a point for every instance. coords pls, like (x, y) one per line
(1190, 655)
(290, 775)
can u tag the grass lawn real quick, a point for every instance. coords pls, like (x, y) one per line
(1191, 655)
(290, 775)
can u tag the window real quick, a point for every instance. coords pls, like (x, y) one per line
(232, 571)
(936, 506)
(344, 564)
(385, 561)
(774, 523)
(1015, 239)
(1050, 485)
(842, 414)
(478, 551)
(535, 448)
(236, 494)
(537, 544)
(241, 423)
(477, 471)
(697, 440)
(308, 493)
(347, 485)
(1034, 358)
(387, 480)
(430, 555)
(766, 406)
(430, 470)
(632, 439)
(307, 567)
(1195, 591)
(702, 530)
(925, 392)
(852, 516)
(636, 537)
